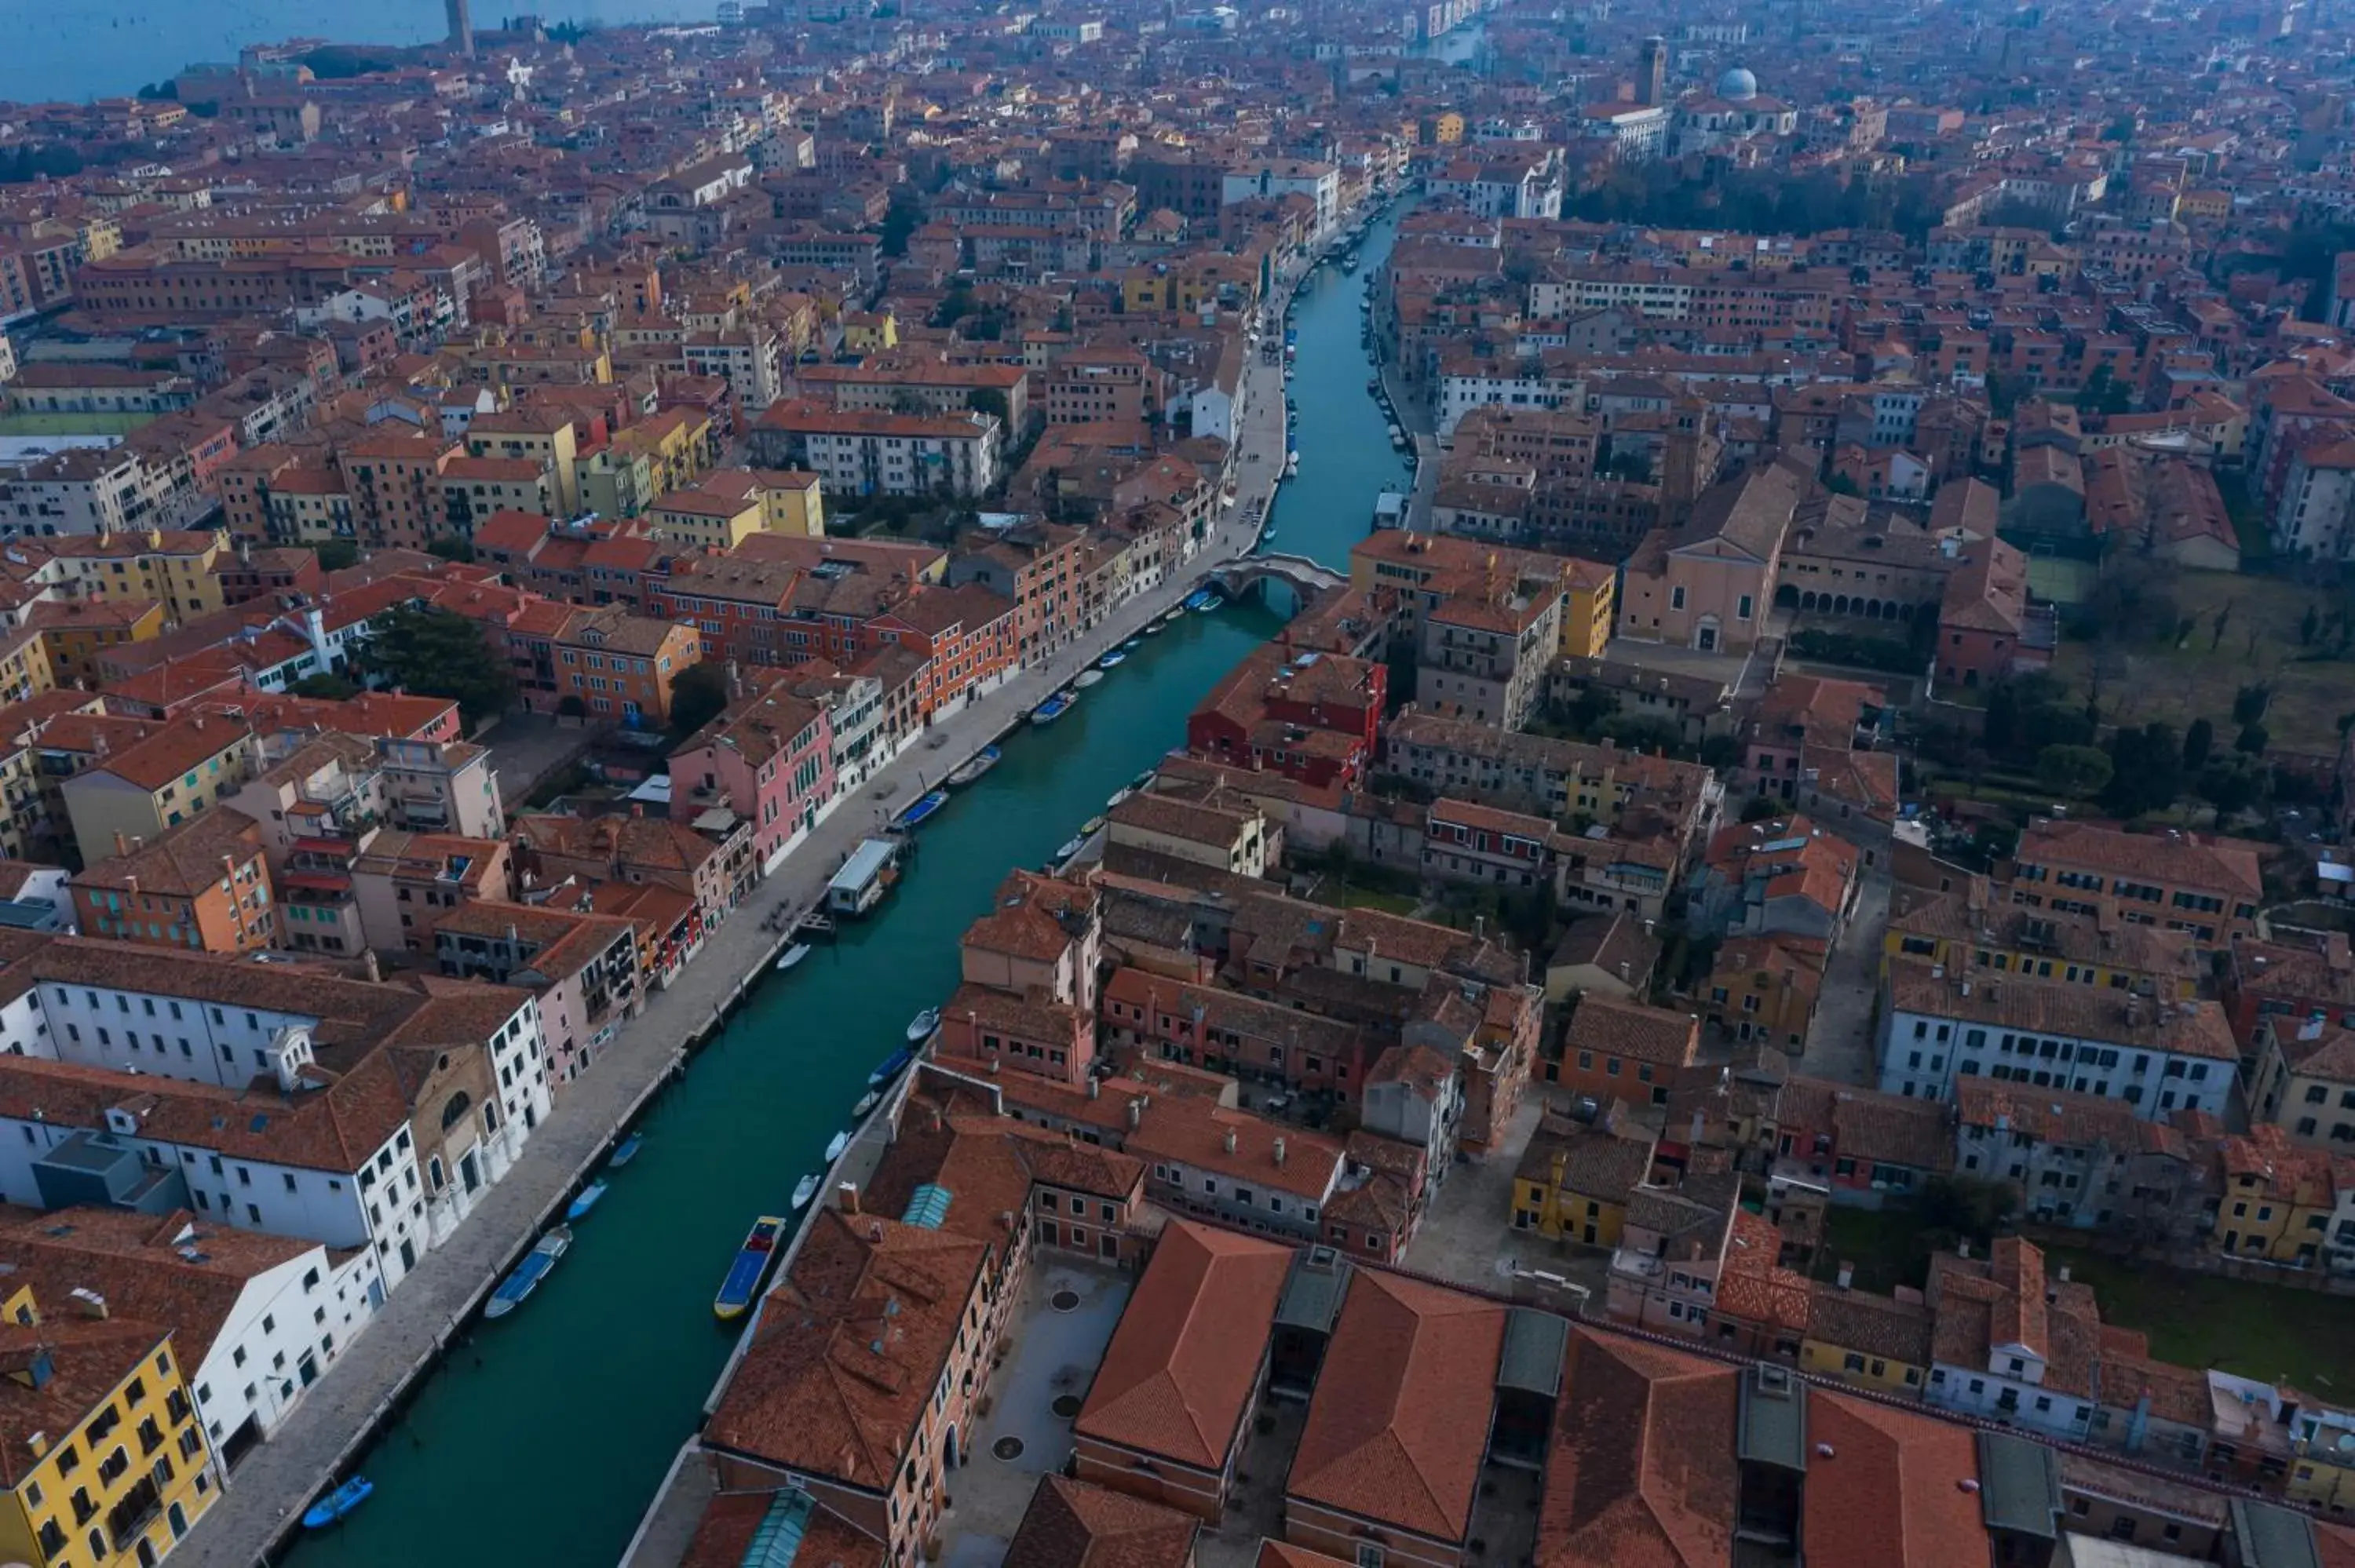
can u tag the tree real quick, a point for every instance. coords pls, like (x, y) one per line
(2252, 740)
(2197, 742)
(334, 688)
(450, 548)
(2249, 704)
(335, 555)
(1759, 808)
(2231, 783)
(2001, 730)
(2104, 393)
(2308, 627)
(2073, 770)
(438, 653)
(1964, 1208)
(900, 220)
(698, 695)
(2146, 769)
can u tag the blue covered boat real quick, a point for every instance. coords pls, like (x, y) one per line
(1111, 660)
(924, 807)
(1053, 708)
(587, 1201)
(1199, 599)
(525, 1278)
(333, 1507)
(982, 762)
(627, 1151)
(890, 1067)
(751, 1266)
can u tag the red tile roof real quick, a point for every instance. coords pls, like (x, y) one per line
(1400, 1423)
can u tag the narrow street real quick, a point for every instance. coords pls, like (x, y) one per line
(1839, 1043)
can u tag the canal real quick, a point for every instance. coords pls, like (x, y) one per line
(542, 1438)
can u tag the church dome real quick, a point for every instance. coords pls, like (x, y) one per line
(1737, 85)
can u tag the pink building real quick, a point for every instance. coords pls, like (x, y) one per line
(769, 759)
(1028, 1001)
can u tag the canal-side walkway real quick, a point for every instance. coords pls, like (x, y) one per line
(436, 1302)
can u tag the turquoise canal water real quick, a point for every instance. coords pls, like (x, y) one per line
(542, 1438)
(1344, 439)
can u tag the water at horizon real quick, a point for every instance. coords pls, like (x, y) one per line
(108, 49)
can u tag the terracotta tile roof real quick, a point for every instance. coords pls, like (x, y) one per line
(2226, 865)
(1076, 1524)
(850, 1344)
(724, 1535)
(2052, 1007)
(186, 861)
(88, 1361)
(1642, 1471)
(1633, 1030)
(1884, 1487)
(1869, 1324)
(1399, 1426)
(176, 748)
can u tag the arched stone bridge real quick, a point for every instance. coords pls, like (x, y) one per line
(1298, 573)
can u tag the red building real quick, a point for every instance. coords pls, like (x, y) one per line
(1987, 628)
(966, 637)
(1311, 717)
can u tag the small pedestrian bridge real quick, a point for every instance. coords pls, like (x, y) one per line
(1303, 577)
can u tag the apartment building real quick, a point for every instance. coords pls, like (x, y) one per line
(2158, 1056)
(2206, 885)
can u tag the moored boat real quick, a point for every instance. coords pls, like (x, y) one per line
(587, 1199)
(1133, 643)
(1111, 660)
(1123, 793)
(1087, 678)
(1053, 708)
(337, 1505)
(626, 1150)
(836, 1144)
(1092, 827)
(792, 955)
(750, 1267)
(925, 805)
(865, 1105)
(804, 1190)
(920, 1027)
(982, 762)
(1199, 599)
(1068, 848)
(890, 1067)
(525, 1278)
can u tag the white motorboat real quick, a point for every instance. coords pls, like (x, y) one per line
(792, 956)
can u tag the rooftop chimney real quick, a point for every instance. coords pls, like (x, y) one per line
(846, 1197)
(1228, 1142)
(1279, 1151)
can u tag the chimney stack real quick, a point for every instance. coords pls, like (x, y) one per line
(846, 1197)
(1279, 1151)
(1228, 1142)
(1135, 1113)
(1847, 1275)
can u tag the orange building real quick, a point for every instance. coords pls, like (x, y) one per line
(1623, 1050)
(204, 887)
(604, 662)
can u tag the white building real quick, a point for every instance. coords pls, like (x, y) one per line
(211, 1068)
(1320, 182)
(2316, 516)
(2157, 1056)
(258, 1318)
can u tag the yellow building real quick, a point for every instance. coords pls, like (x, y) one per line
(1573, 1181)
(866, 332)
(2278, 1199)
(25, 666)
(704, 517)
(174, 569)
(2322, 1465)
(73, 634)
(1873, 1341)
(791, 501)
(105, 1461)
(678, 445)
(1589, 610)
(1972, 929)
(546, 436)
(1447, 128)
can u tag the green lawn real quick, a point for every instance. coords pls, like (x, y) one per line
(72, 424)
(1885, 1245)
(1355, 897)
(2154, 680)
(2204, 1320)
